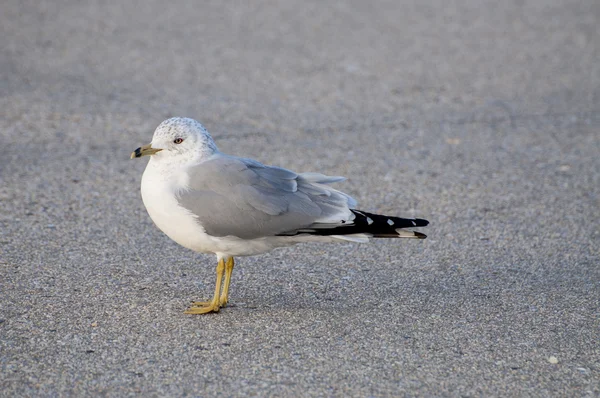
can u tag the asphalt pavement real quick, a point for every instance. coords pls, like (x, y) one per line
(481, 116)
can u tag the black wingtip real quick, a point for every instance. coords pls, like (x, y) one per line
(421, 222)
(375, 225)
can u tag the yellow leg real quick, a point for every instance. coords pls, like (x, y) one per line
(228, 270)
(225, 291)
(214, 305)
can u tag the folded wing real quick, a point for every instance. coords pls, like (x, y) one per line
(244, 198)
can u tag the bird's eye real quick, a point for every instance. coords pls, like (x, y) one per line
(178, 140)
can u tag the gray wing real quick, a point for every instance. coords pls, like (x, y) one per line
(244, 198)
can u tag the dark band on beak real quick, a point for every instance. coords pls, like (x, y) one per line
(137, 153)
(144, 150)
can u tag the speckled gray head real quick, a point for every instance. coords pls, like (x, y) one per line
(181, 137)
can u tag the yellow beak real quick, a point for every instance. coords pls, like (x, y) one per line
(143, 151)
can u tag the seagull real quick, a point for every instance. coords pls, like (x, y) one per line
(211, 202)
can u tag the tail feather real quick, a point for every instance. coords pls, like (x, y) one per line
(375, 225)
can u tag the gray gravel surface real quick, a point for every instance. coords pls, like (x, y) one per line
(481, 116)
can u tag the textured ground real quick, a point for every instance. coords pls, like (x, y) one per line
(481, 116)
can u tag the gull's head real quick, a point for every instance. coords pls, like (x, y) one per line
(179, 137)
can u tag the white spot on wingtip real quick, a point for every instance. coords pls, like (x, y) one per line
(369, 220)
(390, 222)
(414, 223)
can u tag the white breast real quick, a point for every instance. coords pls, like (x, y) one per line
(158, 194)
